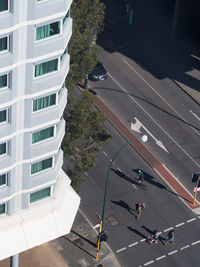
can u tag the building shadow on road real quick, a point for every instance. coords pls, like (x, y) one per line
(137, 232)
(124, 205)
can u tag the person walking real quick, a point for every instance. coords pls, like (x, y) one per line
(155, 237)
(170, 237)
(139, 207)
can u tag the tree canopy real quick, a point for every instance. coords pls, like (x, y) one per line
(88, 22)
(85, 134)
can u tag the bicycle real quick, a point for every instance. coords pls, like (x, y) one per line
(142, 184)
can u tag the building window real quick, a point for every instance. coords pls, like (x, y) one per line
(41, 165)
(66, 17)
(42, 135)
(48, 30)
(2, 208)
(3, 179)
(4, 81)
(3, 116)
(39, 195)
(4, 5)
(3, 149)
(4, 45)
(46, 67)
(44, 102)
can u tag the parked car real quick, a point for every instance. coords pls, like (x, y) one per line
(99, 73)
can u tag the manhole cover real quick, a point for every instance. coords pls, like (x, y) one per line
(112, 220)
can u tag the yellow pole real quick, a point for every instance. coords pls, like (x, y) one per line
(195, 196)
(98, 242)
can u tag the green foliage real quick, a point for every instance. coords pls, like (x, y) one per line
(88, 22)
(85, 134)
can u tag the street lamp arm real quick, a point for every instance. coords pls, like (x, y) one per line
(108, 174)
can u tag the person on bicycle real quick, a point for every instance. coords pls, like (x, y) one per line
(140, 176)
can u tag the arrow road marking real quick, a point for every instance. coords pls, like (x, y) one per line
(136, 127)
(140, 106)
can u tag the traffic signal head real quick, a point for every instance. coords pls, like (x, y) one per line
(103, 236)
(195, 177)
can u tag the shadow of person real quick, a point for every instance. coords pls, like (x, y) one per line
(124, 176)
(124, 205)
(137, 232)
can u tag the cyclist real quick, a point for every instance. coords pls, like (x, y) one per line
(140, 176)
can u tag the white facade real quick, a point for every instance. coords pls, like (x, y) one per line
(37, 203)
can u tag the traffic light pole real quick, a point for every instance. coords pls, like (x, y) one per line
(144, 139)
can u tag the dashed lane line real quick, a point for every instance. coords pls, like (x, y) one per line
(121, 249)
(150, 262)
(133, 244)
(105, 154)
(180, 224)
(191, 220)
(161, 257)
(172, 252)
(134, 186)
(187, 246)
(166, 230)
(195, 243)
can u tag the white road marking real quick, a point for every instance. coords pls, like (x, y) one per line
(160, 95)
(133, 244)
(179, 224)
(105, 153)
(134, 186)
(170, 253)
(150, 262)
(140, 106)
(195, 243)
(168, 229)
(195, 115)
(187, 246)
(121, 249)
(86, 173)
(136, 127)
(96, 226)
(193, 219)
(142, 240)
(119, 169)
(162, 257)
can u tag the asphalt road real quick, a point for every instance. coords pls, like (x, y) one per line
(127, 236)
(139, 91)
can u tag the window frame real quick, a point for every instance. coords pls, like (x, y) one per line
(8, 44)
(42, 1)
(47, 108)
(6, 11)
(47, 74)
(44, 140)
(50, 37)
(6, 208)
(7, 78)
(35, 202)
(53, 162)
(6, 121)
(3, 155)
(6, 182)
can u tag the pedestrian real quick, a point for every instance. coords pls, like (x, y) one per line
(170, 237)
(139, 207)
(155, 237)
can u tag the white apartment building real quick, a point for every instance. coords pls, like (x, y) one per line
(37, 203)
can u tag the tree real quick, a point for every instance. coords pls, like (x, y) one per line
(85, 134)
(88, 22)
